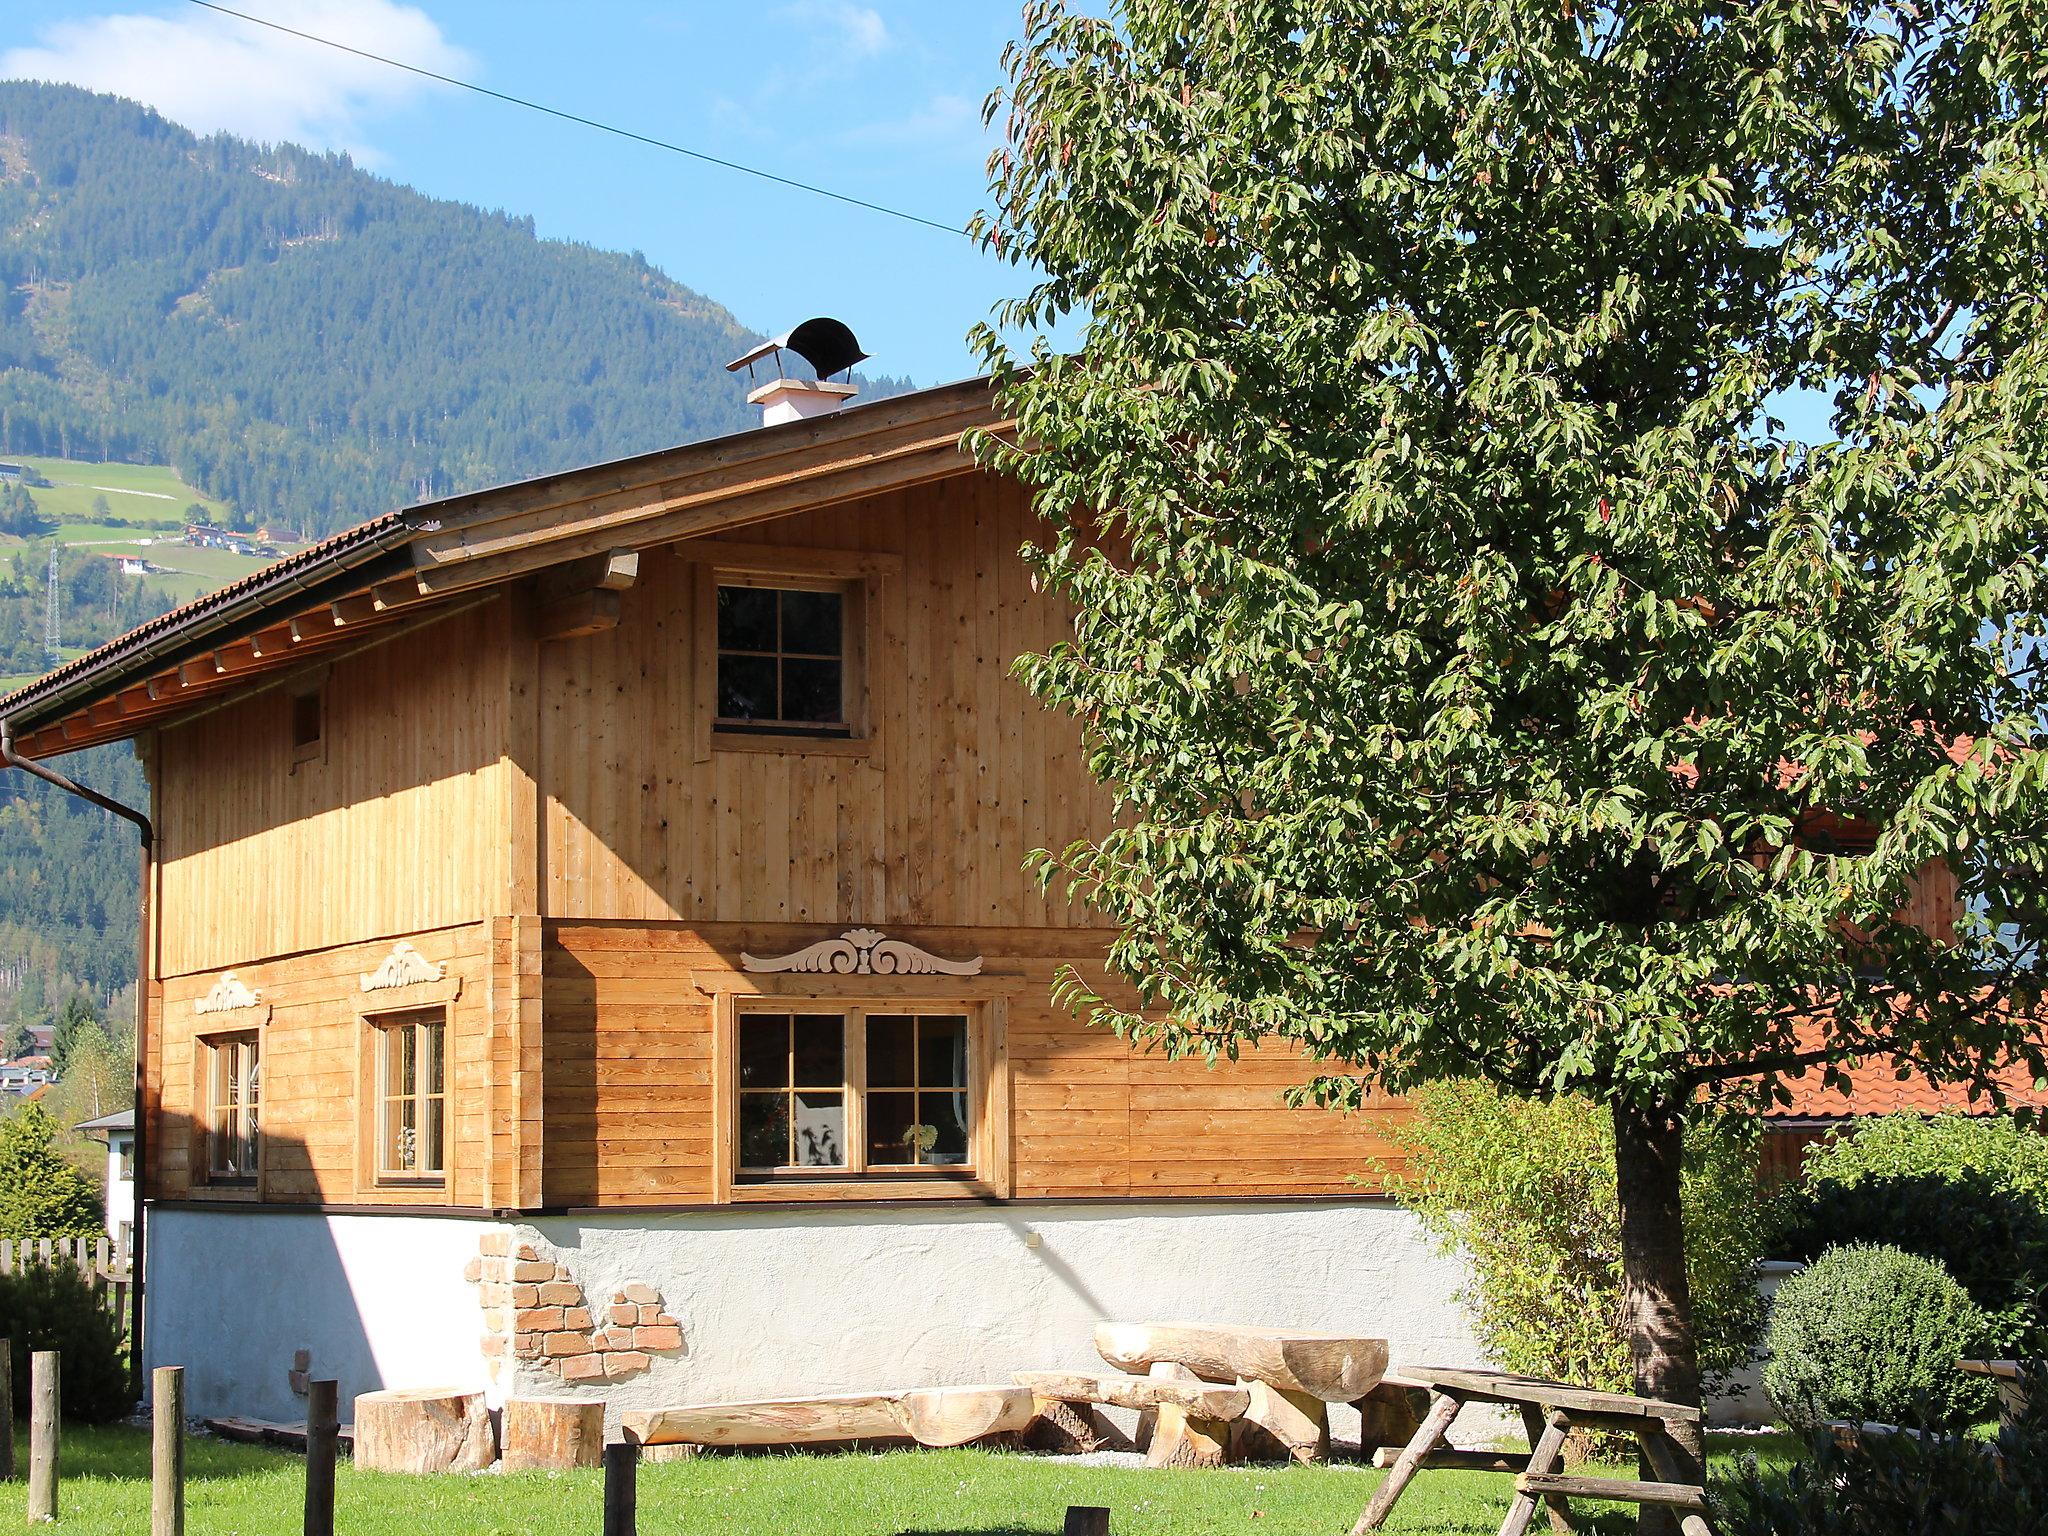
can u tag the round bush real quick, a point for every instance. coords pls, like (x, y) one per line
(1868, 1332)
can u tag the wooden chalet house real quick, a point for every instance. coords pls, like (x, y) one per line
(587, 948)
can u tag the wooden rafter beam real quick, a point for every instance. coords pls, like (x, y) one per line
(582, 598)
(274, 641)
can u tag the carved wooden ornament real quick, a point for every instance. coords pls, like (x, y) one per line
(863, 952)
(226, 995)
(403, 967)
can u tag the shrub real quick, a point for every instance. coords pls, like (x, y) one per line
(1899, 1485)
(1526, 1190)
(1868, 1332)
(41, 1195)
(54, 1307)
(1969, 1193)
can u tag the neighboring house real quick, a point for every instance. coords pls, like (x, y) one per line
(24, 1075)
(10, 471)
(1818, 1112)
(118, 1132)
(616, 881)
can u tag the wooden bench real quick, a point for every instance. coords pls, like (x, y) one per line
(935, 1416)
(1290, 1377)
(1550, 1411)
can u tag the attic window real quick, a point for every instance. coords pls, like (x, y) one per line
(783, 658)
(308, 727)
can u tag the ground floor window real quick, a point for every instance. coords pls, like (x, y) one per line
(234, 1084)
(854, 1090)
(411, 1070)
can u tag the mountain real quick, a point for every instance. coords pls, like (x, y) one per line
(312, 344)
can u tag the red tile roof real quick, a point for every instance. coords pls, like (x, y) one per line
(1875, 1088)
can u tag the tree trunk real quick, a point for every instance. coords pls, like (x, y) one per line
(1649, 1148)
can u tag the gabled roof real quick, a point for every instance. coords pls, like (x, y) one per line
(424, 562)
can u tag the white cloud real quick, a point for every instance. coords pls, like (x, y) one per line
(215, 73)
(855, 31)
(946, 121)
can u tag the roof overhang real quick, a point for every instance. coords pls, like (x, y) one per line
(433, 559)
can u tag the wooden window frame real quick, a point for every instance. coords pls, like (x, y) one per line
(375, 1022)
(861, 576)
(987, 1174)
(205, 1095)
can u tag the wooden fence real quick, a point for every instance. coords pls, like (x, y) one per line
(100, 1259)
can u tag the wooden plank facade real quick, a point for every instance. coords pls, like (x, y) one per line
(557, 829)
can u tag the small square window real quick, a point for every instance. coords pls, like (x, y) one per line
(782, 660)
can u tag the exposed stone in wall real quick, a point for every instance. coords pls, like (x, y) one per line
(534, 1310)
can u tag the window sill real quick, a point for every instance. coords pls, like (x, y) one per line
(227, 1189)
(827, 746)
(773, 1191)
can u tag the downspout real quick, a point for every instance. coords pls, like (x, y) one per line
(9, 759)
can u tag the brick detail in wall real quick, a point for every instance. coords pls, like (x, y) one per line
(534, 1310)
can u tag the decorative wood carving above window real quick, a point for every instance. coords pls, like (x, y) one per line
(403, 967)
(226, 995)
(863, 952)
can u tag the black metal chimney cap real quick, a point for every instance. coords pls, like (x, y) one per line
(828, 345)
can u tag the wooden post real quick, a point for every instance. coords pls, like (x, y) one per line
(323, 1430)
(621, 1499)
(45, 1405)
(1087, 1520)
(167, 1451)
(6, 1410)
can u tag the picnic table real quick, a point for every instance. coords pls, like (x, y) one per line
(1550, 1411)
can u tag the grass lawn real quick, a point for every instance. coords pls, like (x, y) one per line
(235, 1490)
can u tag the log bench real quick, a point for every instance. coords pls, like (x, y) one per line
(934, 1416)
(1550, 1411)
(1192, 1417)
(1289, 1377)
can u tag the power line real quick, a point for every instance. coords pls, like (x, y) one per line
(587, 122)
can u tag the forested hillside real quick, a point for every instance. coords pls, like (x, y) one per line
(312, 344)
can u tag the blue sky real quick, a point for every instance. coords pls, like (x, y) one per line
(877, 98)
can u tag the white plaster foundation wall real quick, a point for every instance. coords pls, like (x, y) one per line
(378, 1301)
(781, 1303)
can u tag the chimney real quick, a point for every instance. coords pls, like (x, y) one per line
(828, 346)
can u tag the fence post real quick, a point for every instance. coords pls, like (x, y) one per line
(6, 1410)
(621, 1498)
(323, 1429)
(45, 1404)
(167, 1451)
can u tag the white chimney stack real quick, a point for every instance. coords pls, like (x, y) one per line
(829, 347)
(794, 399)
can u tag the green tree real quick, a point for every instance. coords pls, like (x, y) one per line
(42, 1195)
(99, 1079)
(77, 1014)
(1472, 651)
(1525, 1190)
